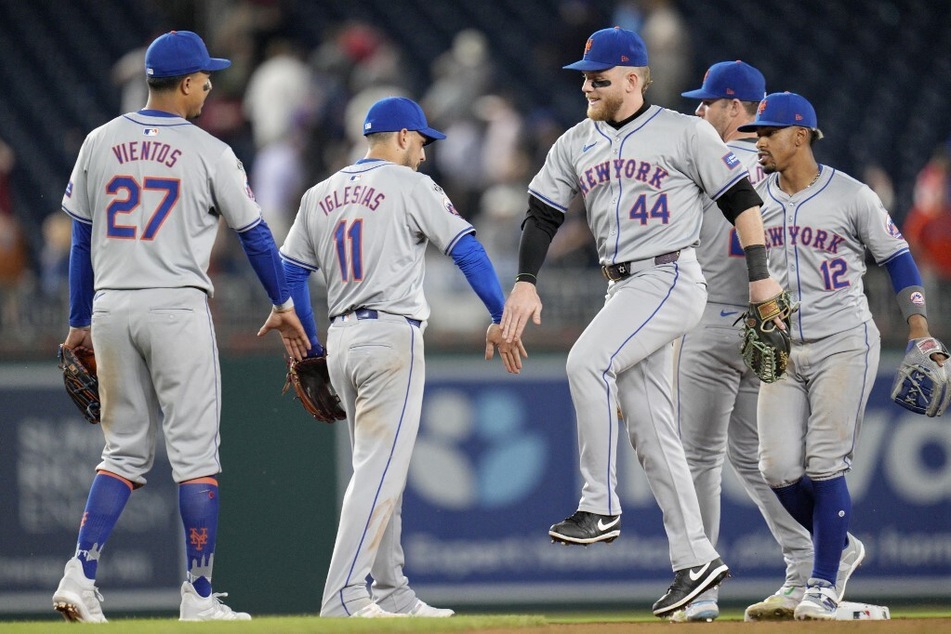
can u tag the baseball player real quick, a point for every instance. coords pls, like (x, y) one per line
(366, 228)
(145, 198)
(643, 172)
(714, 391)
(819, 224)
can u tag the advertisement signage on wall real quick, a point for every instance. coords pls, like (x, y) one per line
(496, 464)
(48, 456)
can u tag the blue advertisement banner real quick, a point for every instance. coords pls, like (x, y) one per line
(496, 464)
(48, 455)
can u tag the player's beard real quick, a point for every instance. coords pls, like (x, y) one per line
(605, 108)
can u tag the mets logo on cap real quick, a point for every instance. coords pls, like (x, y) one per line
(762, 107)
(587, 46)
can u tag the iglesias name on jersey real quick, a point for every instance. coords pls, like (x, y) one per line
(366, 229)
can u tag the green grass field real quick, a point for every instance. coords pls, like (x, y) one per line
(908, 619)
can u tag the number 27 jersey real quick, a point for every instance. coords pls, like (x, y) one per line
(153, 187)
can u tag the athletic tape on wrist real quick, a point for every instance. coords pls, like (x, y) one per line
(756, 262)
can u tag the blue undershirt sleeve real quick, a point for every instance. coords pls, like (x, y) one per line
(472, 260)
(81, 283)
(297, 284)
(906, 281)
(258, 245)
(903, 271)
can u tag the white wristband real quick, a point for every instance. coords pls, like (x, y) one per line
(286, 306)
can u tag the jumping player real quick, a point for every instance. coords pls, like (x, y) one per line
(819, 224)
(366, 228)
(643, 172)
(145, 197)
(714, 391)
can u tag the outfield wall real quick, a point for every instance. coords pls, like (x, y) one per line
(495, 464)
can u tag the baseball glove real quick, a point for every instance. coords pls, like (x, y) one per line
(765, 347)
(311, 382)
(922, 385)
(79, 376)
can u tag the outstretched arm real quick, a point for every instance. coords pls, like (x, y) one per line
(258, 245)
(523, 303)
(472, 260)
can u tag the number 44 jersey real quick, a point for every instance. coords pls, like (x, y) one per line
(153, 187)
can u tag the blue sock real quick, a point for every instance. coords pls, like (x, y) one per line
(797, 498)
(107, 497)
(831, 526)
(198, 504)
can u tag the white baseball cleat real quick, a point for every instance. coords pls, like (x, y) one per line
(852, 557)
(819, 603)
(424, 609)
(373, 611)
(198, 608)
(77, 598)
(776, 607)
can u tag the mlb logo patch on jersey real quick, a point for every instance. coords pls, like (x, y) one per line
(731, 161)
(69, 189)
(150, 131)
(449, 206)
(891, 227)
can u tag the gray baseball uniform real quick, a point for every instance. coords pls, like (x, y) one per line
(644, 187)
(715, 392)
(153, 188)
(817, 240)
(366, 228)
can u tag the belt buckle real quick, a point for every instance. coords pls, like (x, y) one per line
(616, 272)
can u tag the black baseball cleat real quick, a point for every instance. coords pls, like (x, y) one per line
(586, 528)
(690, 582)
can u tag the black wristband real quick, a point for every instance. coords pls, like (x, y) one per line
(756, 262)
(526, 277)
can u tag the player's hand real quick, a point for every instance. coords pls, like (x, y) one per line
(761, 290)
(522, 303)
(918, 329)
(292, 332)
(79, 338)
(511, 353)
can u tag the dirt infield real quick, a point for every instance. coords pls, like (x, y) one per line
(893, 626)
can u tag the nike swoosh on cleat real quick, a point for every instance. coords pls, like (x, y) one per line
(694, 577)
(728, 313)
(588, 147)
(603, 527)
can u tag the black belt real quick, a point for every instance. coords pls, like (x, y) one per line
(617, 272)
(370, 313)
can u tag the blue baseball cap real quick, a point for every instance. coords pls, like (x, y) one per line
(612, 47)
(180, 53)
(392, 114)
(730, 80)
(782, 110)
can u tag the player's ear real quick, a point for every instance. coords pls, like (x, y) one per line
(187, 85)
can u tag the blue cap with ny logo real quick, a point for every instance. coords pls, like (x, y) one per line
(612, 47)
(782, 110)
(730, 80)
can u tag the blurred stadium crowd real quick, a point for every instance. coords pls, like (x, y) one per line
(488, 73)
